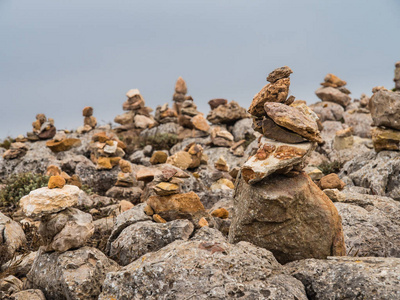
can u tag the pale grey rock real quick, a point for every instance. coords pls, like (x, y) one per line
(371, 225)
(131, 194)
(242, 128)
(216, 152)
(29, 295)
(167, 128)
(331, 94)
(147, 150)
(348, 277)
(72, 275)
(144, 237)
(68, 229)
(21, 264)
(376, 171)
(208, 234)
(203, 270)
(385, 109)
(360, 122)
(12, 237)
(335, 195)
(328, 111)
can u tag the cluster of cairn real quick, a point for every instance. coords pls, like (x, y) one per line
(43, 129)
(137, 115)
(89, 122)
(274, 197)
(333, 90)
(385, 111)
(62, 227)
(106, 151)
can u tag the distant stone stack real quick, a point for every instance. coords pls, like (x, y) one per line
(397, 76)
(277, 205)
(225, 113)
(106, 151)
(180, 94)
(43, 129)
(333, 90)
(89, 122)
(385, 110)
(137, 115)
(164, 114)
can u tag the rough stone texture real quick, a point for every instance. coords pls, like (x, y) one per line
(10, 285)
(377, 172)
(333, 81)
(371, 224)
(361, 123)
(76, 274)
(131, 194)
(203, 270)
(12, 237)
(29, 295)
(385, 109)
(181, 159)
(331, 181)
(44, 201)
(271, 130)
(214, 103)
(66, 230)
(333, 95)
(279, 73)
(348, 277)
(144, 237)
(328, 111)
(25, 262)
(200, 123)
(227, 114)
(272, 92)
(274, 156)
(385, 139)
(242, 128)
(294, 119)
(291, 217)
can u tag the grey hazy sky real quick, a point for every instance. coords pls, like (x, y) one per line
(57, 56)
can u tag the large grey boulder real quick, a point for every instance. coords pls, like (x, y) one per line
(143, 237)
(242, 129)
(375, 171)
(77, 274)
(203, 270)
(348, 277)
(371, 224)
(333, 95)
(291, 217)
(328, 111)
(12, 237)
(360, 122)
(385, 109)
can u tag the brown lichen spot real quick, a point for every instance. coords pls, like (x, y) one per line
(261, 154)
(213, 247)
(288, 152)
(269, 148)
(248, 174)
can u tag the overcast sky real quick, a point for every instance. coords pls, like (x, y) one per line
(57, 56)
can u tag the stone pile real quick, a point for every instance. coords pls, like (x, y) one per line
(62, 227)
(137, 115)
(385, 110)
(277, 205)
(53, 170)
(221, 137)
(106, 151)
(397, 76)
(180, 95)
(43, 129)
(223, 112)
(16, 150)
(89, 122)
(164, 114)
(333, 90)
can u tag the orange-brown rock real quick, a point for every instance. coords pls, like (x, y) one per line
(200, 123)
(203, 222)
(214, 103)
(56, 182)
(279, 73)
(158, 219)
(104, 163)
(331, 181)
(180, 86)
(178, 206)
(91, 121)
(53, 170)
(148, 210)
(158, 157)
(63, 145)
(74, 180)
(125, 166)
(291, 217)
(221, 213)
(87, 111)
(333, 81)
(272, 92)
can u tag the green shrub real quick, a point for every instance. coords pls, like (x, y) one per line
(19, 185)
(7, 143)
(330, 167)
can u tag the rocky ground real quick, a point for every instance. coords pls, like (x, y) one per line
(277, 201)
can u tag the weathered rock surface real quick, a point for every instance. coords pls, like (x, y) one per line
(291, 217)
(333, 95)
(348, 277)
(144, 237)
(12, 237)
(279, 73)
(360, 122)
(203, 270)
(385, 139)
(227, 114)
(294, 119)
(77, 274)
(385, 109)
(328, 111)
(274, 156)
(29, 294)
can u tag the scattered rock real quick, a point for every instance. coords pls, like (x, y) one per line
(331, 181)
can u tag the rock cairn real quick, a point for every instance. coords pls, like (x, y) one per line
(62, 227)
(180, 94)
(106, 151)
(385, 110)
(43, 129)
(164, 114)
(333, 90)
(189, 158)
(397, 76)
(89, 122)
(137, 115)
(277, 205)
(223, 112)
